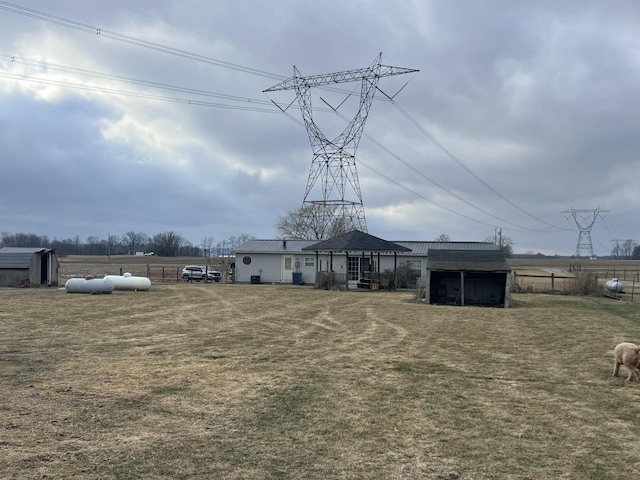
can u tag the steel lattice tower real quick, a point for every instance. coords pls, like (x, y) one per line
(333, 185)
(588, 217)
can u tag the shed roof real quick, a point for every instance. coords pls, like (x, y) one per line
(356, 240)
(18, 257)
(422, 248)
(467, 260)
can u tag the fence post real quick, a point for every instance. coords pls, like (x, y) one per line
(553, 281)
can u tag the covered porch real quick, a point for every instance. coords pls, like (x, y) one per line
(358, 258)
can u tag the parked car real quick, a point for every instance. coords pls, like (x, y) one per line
(194, 272)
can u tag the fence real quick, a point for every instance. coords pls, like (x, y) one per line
(159, 274)
(540, 282)
(584, 282)
(623, 274)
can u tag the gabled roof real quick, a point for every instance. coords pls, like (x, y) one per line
(356, 241)
(466, 260)
(18, 257)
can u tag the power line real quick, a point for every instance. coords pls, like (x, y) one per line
(148, 96)
(464, 167)
(62, 68)
(86, 28)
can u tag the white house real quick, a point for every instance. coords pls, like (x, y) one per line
(353, 255)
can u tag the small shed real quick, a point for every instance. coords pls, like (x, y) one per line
(463, 277)
(28, 267)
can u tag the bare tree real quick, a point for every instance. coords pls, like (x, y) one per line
(308, 222)
(135, 240)
(207, 245)
(504, 243)
(167, 244)
(443, 238)
(623, 249)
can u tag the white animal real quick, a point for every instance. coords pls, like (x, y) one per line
(627, 354)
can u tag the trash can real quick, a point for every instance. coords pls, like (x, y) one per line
(255, 279)
(297, 278)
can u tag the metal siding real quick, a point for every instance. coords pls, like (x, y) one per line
(13, 277)
(15, 260)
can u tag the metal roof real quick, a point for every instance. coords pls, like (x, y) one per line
(415, 248)
(467, 260)
(274, 246)
(18, 257)
(422, 248)
(356, 241)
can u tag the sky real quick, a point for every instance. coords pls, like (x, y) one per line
(151, 116)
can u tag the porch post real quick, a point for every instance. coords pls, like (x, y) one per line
(346, 272)
(395, 272)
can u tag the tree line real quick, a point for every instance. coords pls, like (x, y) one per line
(166, 244)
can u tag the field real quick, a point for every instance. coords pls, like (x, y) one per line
(228, 381)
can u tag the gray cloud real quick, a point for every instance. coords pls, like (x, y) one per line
(519, 111)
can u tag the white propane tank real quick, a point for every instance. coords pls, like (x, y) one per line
(89, 284)
(129, 282)
(614, 285)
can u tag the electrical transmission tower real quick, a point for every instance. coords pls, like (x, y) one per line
(588, 217)
(333, 190)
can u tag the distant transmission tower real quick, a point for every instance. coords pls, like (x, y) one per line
(333, 168)
(588, 217)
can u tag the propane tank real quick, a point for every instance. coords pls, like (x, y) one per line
(89, 284)
(614, 285)
(129, 282)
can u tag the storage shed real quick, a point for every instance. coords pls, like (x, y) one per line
(463, 277)
(28, 267)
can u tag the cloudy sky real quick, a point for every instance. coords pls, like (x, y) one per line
(150, 116)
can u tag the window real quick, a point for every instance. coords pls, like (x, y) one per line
(416, 266)
(308, 262)
(246, 260)
(287, 263)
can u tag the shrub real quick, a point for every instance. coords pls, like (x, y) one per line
(584, 283)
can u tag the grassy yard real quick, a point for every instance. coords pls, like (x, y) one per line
(283, 382)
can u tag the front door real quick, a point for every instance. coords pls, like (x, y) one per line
(287, 269)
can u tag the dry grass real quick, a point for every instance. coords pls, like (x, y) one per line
(271, 382)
